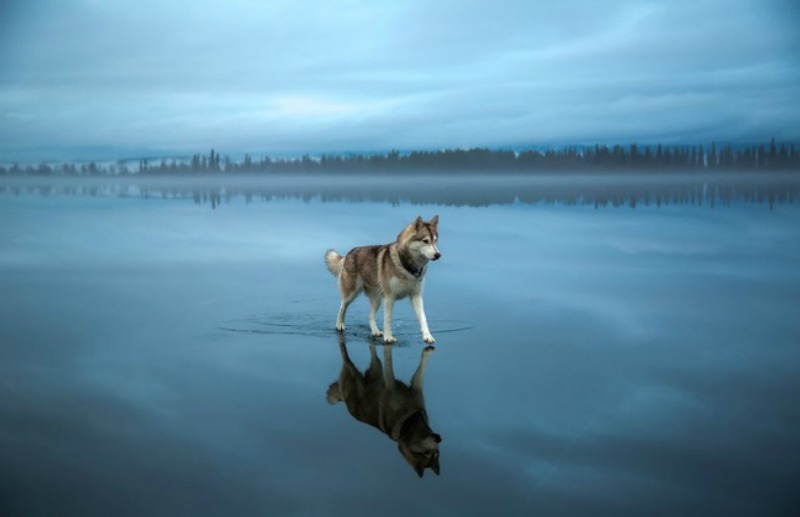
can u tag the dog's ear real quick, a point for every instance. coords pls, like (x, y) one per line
(435, 465)
(418, 222)
(434, 221)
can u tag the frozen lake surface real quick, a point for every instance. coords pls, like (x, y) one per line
(163, 358)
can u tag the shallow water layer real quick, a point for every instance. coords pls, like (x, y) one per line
(163, 358)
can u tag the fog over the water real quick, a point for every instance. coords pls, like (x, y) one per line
(599, 190)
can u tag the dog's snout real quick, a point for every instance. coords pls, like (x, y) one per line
(437, 256)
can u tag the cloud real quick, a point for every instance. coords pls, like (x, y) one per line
(287, 76)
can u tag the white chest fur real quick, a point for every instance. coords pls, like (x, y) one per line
(401, 287)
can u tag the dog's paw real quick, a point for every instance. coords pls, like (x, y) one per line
(428, 339)
(340, 327)
(377, 333)
(389, 340)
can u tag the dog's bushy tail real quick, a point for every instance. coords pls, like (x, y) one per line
(334, 393)
(334, 262)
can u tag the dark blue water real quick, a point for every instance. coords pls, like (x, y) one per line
(163, 358)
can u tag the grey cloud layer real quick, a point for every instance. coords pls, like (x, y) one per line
(292, 77)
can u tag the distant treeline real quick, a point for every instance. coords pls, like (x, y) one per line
(634, 157)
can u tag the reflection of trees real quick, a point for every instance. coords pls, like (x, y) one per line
(588, 190)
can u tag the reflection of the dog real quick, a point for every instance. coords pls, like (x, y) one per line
(376, 398)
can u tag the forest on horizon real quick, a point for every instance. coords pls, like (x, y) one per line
(634, 158)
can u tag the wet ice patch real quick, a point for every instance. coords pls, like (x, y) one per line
(301, 324)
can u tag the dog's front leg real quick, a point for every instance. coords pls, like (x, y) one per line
(419, 308)
(388, 369)
(374, 303)
(416, 380)
(388, 306)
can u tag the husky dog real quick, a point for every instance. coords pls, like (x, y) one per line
(395, 408)
(389, 271)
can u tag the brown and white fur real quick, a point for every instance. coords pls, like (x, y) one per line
(397, 409)
(389, 272)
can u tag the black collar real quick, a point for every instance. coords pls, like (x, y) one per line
(413, 418)
(409, 266)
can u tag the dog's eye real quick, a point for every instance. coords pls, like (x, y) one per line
(426, 240)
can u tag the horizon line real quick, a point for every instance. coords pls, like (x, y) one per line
(294, 156)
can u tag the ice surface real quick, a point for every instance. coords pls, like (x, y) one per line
(163, 358)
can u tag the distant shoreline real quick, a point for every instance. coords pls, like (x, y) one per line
(619, 189)
(775, 156)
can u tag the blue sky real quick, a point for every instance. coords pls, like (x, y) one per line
(124, 78)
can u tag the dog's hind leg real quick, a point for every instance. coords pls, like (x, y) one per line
(374, 304)
(374, 371)
(346, 301)
(349, 287)
(343, 347)
(335, 393)
(419, 309)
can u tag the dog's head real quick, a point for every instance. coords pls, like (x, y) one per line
(421, 450)
(422, 237)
